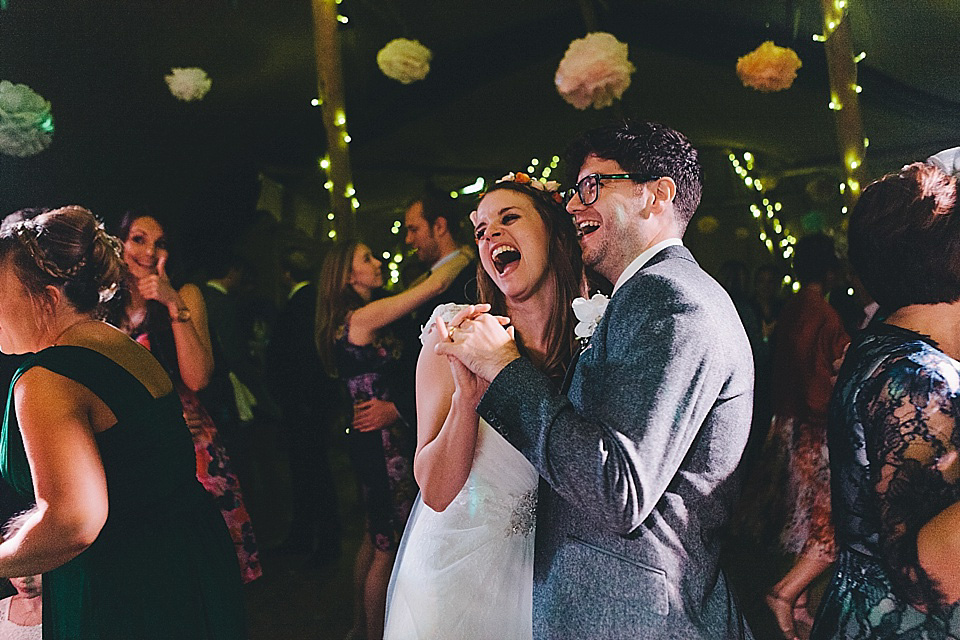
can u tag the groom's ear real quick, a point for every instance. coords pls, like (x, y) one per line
(664, 190)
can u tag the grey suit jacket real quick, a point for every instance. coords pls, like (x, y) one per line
(639, 461)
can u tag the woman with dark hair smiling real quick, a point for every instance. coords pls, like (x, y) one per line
(465, 569)
(893, 430)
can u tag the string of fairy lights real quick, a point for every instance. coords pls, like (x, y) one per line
(772, 232)
(344, 138)
(834, 15)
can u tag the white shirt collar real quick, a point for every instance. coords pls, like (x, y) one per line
(643, 259)
(297, 287)
(445, 259)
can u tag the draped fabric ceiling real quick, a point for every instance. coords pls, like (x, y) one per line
(488, 105)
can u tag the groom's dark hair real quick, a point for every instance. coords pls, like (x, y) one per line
(644, 147)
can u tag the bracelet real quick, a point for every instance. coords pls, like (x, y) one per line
(183, 315)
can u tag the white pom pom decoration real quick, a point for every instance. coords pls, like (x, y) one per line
(187, 84)
(404, 60)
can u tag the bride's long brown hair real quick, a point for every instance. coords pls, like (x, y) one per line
(565, 259)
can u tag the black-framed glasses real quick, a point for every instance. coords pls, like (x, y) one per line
(589, 186)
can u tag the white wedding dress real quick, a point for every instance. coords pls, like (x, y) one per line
(467, 572)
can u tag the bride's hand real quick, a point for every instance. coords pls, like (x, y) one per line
(468, 387)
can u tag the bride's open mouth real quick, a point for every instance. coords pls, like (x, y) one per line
(505, 258)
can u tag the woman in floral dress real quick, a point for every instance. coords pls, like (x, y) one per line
(356, 345)
(173, 325)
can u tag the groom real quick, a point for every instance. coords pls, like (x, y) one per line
(640, 456)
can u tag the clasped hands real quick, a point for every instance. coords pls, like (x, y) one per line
(478, 346)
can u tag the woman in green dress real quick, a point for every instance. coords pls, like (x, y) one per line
(130, 544)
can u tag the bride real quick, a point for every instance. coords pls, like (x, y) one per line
(465, 565)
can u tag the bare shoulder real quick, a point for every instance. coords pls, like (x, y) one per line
(129, 354)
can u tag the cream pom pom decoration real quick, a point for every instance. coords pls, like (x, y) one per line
(191, 83)
(594, 71)
(404, 60)
(26, 124)
(769, 67)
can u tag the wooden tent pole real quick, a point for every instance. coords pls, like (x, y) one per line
(844, 95)
(330, 84)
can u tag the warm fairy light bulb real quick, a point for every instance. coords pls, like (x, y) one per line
(343, 19)
(332, 234)
(315, 102)
(355, 203)
(535, 161)
(763, 236)
(386, 255)
(777, 206)
(395, 230)
(819, 38)
(854, 185)
(392, 266)
(530, 169)
(857, 88)
(860, 56)
(349, 191)
(748, 156)
(787, 279)
(398, 258)
(866, 142)
(325, 163)
(340, 118)
(454, 194)
(843, 187)
(330, 216)
(546, 172)
(748, 181)
(795, 287)
(346, 137)
(843, 209)
(328, 185)
(850, 291)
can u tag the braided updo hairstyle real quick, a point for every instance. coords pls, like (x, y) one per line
(68, 248)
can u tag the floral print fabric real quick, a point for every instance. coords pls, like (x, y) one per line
(382, 459)
(893, 440)
(215, 474)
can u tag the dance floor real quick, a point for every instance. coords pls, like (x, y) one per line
(298, 600)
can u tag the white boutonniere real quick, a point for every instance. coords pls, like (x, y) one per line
(588, 313)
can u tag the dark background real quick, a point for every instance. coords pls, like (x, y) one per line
(488, 105)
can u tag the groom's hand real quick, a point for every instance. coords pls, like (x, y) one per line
(479, 341)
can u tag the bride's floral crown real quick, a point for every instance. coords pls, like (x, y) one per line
(550, 187)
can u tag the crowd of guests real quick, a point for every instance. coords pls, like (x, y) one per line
(625, 451)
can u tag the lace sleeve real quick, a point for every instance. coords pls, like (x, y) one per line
(912, 417)
(446, 311)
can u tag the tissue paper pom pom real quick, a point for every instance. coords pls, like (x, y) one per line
(769, 67)
(26, 125)
(188, 84)
(594, 71)
(404, 60)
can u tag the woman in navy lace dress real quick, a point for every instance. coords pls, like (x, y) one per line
(893, 432)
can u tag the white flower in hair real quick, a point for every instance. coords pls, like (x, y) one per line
(589, 312)
(188, 84)
(550, 186)
(404, 60)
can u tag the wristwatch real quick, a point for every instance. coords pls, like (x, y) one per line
(183, 315)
